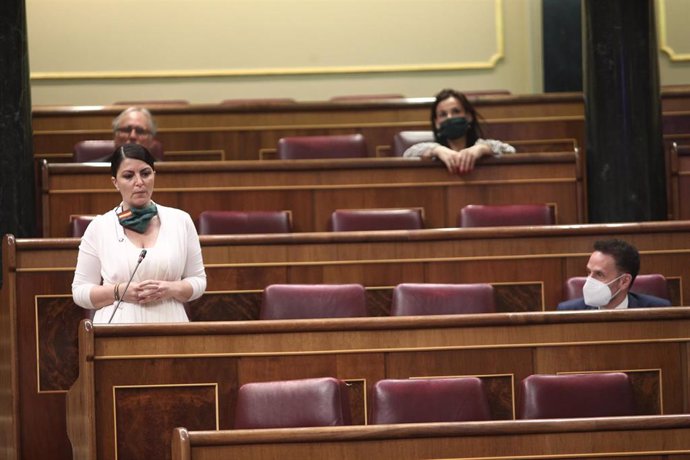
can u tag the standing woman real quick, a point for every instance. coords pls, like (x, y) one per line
(458, 135)
(172, 271)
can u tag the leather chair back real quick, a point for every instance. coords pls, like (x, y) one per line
(365, 97)
(429, 401)
(474, 215)
(257, 101)
(292, 404)
(79, 223)
(100, 150)
(314, 147)
(242, 222)
(350, 220)
(302, 301)
(575, 395)
(442, 299)
(653, 284)
(406, 139)
(153, 102)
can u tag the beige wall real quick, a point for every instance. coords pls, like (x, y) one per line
(100, 51)
(674, 41)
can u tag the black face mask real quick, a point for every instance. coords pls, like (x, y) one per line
(453, 128)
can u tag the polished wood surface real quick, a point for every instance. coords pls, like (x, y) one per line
(313, 189)
(39, 319)
(241, 132)
(680, 179)
(160, 368)
(665, 437)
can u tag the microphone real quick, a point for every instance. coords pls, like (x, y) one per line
(142, 254)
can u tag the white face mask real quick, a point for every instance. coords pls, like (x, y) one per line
(597, 293)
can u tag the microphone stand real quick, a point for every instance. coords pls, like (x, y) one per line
(142, 254)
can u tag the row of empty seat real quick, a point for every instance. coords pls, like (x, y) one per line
(301, 301)
(324, 401)
(312, 147)
(245, 222)
(342, 220)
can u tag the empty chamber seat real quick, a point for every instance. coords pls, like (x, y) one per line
(239, 222)
(347, 220)
(153, 102)
(79, 223)
(314, 147)
(302, 301)
(366, 97)
(429, 401)
(442, 299)
(406, 139)
(100, 150)
(292, 404)
(576, 395)
(474, 215)
(258, 101)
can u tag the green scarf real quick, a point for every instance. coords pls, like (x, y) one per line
(138, 219)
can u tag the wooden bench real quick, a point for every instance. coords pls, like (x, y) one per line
(242, 131)
(38, 318)
(246, 142)
(137, 382)
(313, 189)
(628, 437)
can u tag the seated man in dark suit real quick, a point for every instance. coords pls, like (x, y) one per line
(611, 269)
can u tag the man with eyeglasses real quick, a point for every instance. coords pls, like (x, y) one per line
(134, 125)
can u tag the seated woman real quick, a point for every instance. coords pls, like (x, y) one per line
(458, 135)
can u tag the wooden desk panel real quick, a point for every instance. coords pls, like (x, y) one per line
(246, 142)
(680, 179)
(313, 189)
(37, 312)
(55, 118)
(149, 357)
(623, 437)
(241, 132)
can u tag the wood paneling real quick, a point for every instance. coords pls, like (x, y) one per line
(38, 333)
(368, 349)
(680, 179)
(313, 189)
(240, 132)
(643, 438)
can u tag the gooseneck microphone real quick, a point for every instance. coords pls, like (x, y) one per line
(142, 254)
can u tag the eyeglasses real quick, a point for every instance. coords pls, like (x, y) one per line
(139, 131)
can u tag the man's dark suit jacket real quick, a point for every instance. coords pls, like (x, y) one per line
(634, 301)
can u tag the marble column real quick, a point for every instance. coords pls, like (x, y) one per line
(626, 179)
(17, 196)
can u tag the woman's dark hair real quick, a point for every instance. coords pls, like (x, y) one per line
(134, 151)
(474, 129)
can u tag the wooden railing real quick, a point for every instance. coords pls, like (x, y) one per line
(679, 186)
(241, 132)
(529, 266)
(137, 382)
(313, 189)
(666, 437)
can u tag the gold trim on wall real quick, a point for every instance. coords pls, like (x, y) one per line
(663, 32)
(490, 63)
